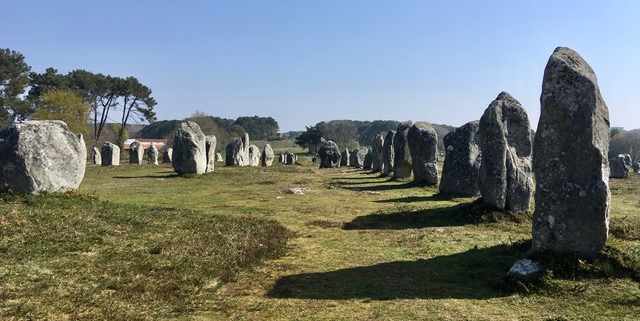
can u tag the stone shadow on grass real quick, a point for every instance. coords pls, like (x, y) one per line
(167, 175)
(411, 199)
(457, 215)
(475, 274)
(372, 186)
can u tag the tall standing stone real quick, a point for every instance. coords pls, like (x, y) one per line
(462, 160)
(368, 159)
(110, 154)
(570, 159)
(254, 155)
(189, 150)
(245, 150)
(96, 157)
(152, 154)
(377, 153)
(360, 154)
(388, 154)
(619, 167)
(505, 142)
(402, 166)
(167, 155)
(344, 159)
(423, 146)
(235, 153)
(210, 142)
(136, 153)
(267, 156)
(329, 154)
(353, 158)
(41, 156)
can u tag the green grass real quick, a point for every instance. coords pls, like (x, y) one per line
(362, 248)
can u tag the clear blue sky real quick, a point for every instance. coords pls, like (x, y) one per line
(305, 61)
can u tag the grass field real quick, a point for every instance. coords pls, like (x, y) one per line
(141, 243)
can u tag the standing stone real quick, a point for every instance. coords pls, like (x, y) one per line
(368, 159)
(570, 159)
(353, 158)
(344, 159)
(423, 146)
(329, 154)
(245, 150)
(462, 160)
(618, 167)
(402, 166)
(636, 167)
(96, 157)
(505, 142)
(235, 153)
(254, 155)
(627, 159)
(189, 149)
(219, 157)
(110, 154)
(41, 156)
(388, 154)
(152, 154)
(210, 143)
(290, 159)
(136, 153)
(167, 155)
(377, 153)
(267, 156)
(360, 154)
(282, 158)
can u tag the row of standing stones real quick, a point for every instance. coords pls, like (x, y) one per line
(497, 158)
(491, 157)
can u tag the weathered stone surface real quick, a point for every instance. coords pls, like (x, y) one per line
(627, 159)
(377, 153)
(235, 153)
(618, 167)
(210, 143)
(267, 157)
(282, 158)
(41, 156)
(361, 154)
(290, 158)
(402, 166)
(388, 154)
(505, 141)
(219, 157)
(152, 154)
(636, 167)
(189, 149)
(110, 154)
(329, 154)
(245, 150)
(525, 269)
(96, 157)
(368, 159)
(136, 153)
(254, 155)
(353, 158)
(423, 146)
(167, 155)
(344, 159)
(462, 160)
(572, 198)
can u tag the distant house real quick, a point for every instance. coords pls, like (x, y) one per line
(146, 142)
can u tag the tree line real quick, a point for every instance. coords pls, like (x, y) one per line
(354, 133)
(225, 130)
(78, 97)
